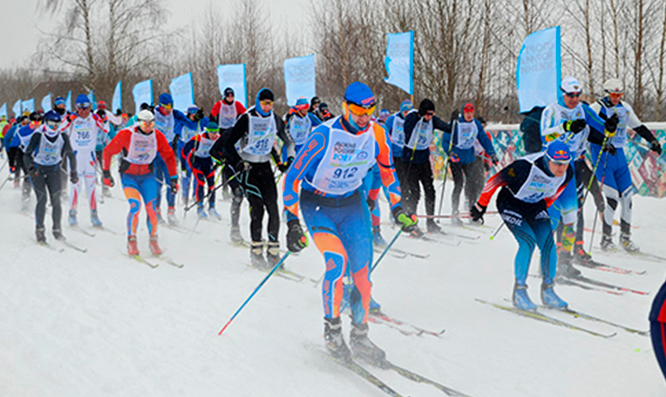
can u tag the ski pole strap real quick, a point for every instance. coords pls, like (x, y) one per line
(386, 250)
(277, 266)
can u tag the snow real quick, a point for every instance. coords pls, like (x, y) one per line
(99, 323)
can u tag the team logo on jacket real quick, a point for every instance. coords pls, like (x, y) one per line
(362, 155)
(344, 148)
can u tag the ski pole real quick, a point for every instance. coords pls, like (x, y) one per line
(386, 250)
(255, 291)
(496, 232)
(446, 170)
(4, 165)
(594, 224)
(461, 215)
(223, 184)
(594, 170)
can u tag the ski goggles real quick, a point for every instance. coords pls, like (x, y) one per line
(361, 110)
(52, 124)
(146, 123)
(616, 95)
(430, 113)
(213, 130)
(169, 106)
(266, 102)
(302, 107)
(572, 94)
(83, 105)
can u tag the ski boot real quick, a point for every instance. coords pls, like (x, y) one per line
(335, 343)
(415, 232)
(607, 243)
(106, 192)
(363, 348)
(200, 212)
(57, 234)
(580, 255)
(564, 266)
(214, 214)
(40, 235)
(154, 246)
(132, 247)
(94, 218)
(377, 238)
(160, 220)
(273, 254)
(72, 218)
(627, 244)
(375, 307)
(550, 298)
(257, 255)
(433, 227)
(171, 216)
(521, 300)
(235, 235)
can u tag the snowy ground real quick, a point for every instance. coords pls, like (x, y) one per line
(98, 323)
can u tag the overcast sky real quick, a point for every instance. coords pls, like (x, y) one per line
(21, 22)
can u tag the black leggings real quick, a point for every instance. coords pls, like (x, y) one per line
(260, 190)
(48, 177)
(472, 176)
(415, 173)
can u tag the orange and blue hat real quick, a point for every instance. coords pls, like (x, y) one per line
(302, 104)
(558, 152)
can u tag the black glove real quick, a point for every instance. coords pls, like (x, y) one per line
(199, 115)
(173, 182)
(243, 166)
(477, 212)
(101, 113)
(494, 159)
(611, 123)
(107, 178)
(282, 167)
(296, 239)
(610, 148)
(655, 146)
(575, 126)
(74, 177)
(406, 222)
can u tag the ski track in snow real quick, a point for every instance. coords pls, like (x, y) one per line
(101, 323)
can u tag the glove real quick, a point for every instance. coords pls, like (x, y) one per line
(243, 166)
(32, 171)
(610, 148)
(611, 124)
(296, 239)
(74, 177)
(174, 184)
(107, 178)
(199, 115)
(282, 167)
(101, 113)
(406, 222)
(655, 146)
(494, 159)
(477, 212)
(575, 126)
(454, 158)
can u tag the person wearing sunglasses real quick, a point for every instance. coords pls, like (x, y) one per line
(617, 184)
(572, 122)
(23, 135)
(47, 147)
(325, 181)
(197, 154)
(83, 127)
(419, 131)
(529, 186)
(185, 132)
(139, 145)
(255, 133)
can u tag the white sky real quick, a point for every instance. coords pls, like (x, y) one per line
(21, 22)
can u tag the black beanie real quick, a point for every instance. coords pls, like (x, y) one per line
(426, 106)
(266, 94)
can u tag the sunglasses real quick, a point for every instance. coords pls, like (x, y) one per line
(266, 102)
(430, 113)
(52, 124)
(166, 106)
(83, 106)
(616, 94)
(229, 94)
(217, 131)
(145, 123)
(360, 110)
(572, 95)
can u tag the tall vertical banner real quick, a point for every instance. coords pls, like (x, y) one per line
(93, 102)
(46, 103)
(142, 93)
(3, 110)
(17, 108)
(28, 105)
(117, 101)
(233, 76)
(299, 78)
(68, 102)
(182, 91)
(399, 61)
(539, 69)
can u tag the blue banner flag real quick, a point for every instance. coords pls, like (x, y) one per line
(29, 105)
(93, 102)
(539, 72)
(299, 78)
(68, 102)
(142, 93)
(46, 103)
(399, 61)
(17, 108)
(117, 101)
(182, 91)
(233, 76)
(3, 110)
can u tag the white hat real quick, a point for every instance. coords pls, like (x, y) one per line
(571, 84)
(613, 86)
(145, 115)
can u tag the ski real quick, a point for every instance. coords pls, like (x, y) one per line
(52, 248)
(590, 317)
(405, 332)
(614, 287)
(365, 374)
(285, 274)
(73, 246)
(460, 235)
(395, 254)
(410, 253)
(546, 319)
(566, 281)
(444, 242)
(82, 231)
(637, 254)
(170, 261)
(391, 320)
(413, 376)
(105, 229)
(143, 260)
(592, 264)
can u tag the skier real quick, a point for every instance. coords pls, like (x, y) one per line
(573, 123)
(257, 130)
(197, 154)
(299, 123)
(529, 186)
(466, 167)
(46, 149)
(12, 146)
(23, 136)
(395, 127)
(226, 111)
(331, 167)
(323, 113)
(658, 327)
(83, 128)
(110, 122)
(419, 131)
(186, 131)
(140, 144)
(612, 169)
